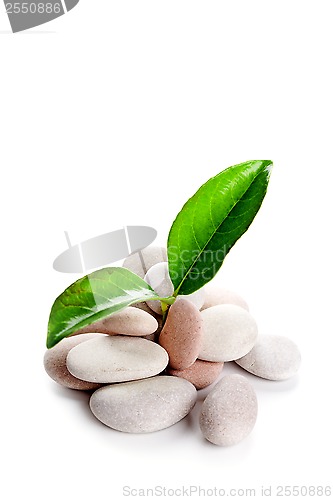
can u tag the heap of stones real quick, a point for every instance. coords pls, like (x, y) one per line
(145, 376)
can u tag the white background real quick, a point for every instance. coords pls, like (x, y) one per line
(113, 115)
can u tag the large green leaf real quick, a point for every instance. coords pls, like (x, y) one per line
(211, 222)
(94, 297)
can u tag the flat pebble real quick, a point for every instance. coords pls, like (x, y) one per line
(182, 334)
(140, 262)
(145, 405)
(201, 374)
(215, 296)
(55, 363)
(229, 412)
(230, 332)
(130, 321)
(144, 306)
(158, 278)
(273, 357)
(109, 359)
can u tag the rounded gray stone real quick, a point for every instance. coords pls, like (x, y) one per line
(130, 321)
(229, 412)
(55, 363)
(144, 405)
(109, 359)
(230, 332)
(140, 262)
(273, 357)
(144, 306)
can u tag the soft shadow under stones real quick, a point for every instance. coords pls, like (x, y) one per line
(260, 386)
(80, 397)
(168, 437)
(189, 426)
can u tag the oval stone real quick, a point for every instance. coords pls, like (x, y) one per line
(230, 332)
(55, 363)
(182, 334)
(144, 306)
(200, 374)
(215, 295)
(130, 321)
(140, 262)
(229, 412)
(273, 357)
(109, 359)
(145, 405)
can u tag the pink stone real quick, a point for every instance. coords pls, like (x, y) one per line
(182, 334)
(200, 374)
(55, 363)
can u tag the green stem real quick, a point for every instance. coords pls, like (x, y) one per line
(167, 301)
(165, 305)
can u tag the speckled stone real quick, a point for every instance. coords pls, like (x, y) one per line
(273, 357)
(201, 374)
(158, 278)
(229, 412)
(130, 321)
(230, 332)
(182, 334)
(145, 405)
(55, 363)
(215, 296)
(140, 262)
(109, 359)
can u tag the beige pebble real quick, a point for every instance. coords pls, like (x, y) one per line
(215, 295)
(144, 405)
(230, 332)
(130, 321)
(117, 358)
(55, 363)
(182, 334)
(229, 412)
(200, 374)
(140, 262)
(273, 357)
(144, 306)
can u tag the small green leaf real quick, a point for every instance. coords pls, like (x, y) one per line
(94, 297)
(211, 222)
